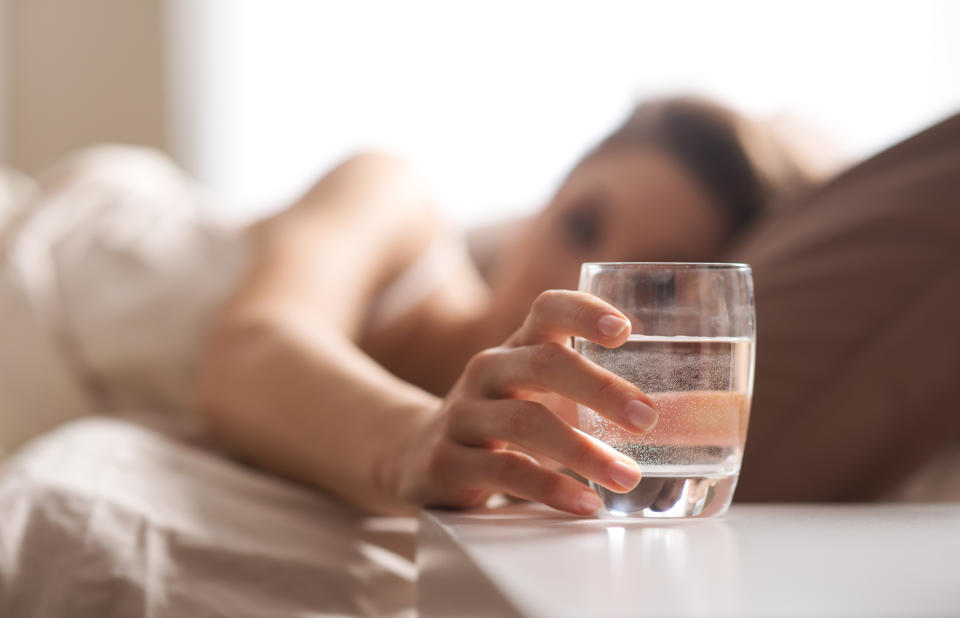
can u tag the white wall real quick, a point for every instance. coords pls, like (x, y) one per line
(495, 99)
(79, 73)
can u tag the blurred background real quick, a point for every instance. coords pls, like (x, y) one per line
(492, 100)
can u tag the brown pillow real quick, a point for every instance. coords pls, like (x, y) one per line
(858, 342)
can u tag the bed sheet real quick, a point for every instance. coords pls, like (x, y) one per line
(104, 517)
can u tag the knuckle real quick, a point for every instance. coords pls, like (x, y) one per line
(607, 386)
(545, 299)
(583, 314)
(546, 355)
(439, 466)
(552, 486)
(522, 421)
(480, 363)
(465, 424)
(457, 416)
(582, 454)
(509, 469)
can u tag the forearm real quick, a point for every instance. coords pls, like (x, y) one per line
(299, 399)
(282, 380)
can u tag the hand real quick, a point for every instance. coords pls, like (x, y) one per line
(463, 455)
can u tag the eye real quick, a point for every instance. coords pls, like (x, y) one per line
(583, 222)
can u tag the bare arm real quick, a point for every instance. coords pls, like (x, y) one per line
(281, 380)
(284, 384)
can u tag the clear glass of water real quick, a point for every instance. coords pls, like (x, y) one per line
(692, 350)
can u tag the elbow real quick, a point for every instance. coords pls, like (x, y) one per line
(376, 179)
(377, 164)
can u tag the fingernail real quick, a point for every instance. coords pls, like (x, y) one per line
(589, 502)
(641, 416)
(611, 325)
(624, 475)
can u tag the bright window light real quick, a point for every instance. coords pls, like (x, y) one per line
(495, 100)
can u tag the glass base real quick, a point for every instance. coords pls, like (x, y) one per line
(672, 496)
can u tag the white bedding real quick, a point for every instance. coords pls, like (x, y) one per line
(104, 518)
(109, 272)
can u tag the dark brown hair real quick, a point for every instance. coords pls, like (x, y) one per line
(741, 166)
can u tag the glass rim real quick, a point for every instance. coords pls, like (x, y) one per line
(670, 265)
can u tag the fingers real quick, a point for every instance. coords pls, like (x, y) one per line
(486, 411)
(534, 427)
(552, 367)
(559, 314)
(520, 475)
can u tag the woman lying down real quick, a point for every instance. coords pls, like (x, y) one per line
(351, 343)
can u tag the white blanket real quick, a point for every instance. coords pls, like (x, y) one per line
(103, 518)
(110, 271)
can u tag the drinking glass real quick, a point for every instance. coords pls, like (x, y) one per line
(691, 349)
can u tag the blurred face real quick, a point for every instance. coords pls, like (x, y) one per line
(628, 205)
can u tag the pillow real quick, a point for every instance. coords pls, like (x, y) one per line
(858, 341)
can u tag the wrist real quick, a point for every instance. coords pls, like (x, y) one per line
(398, 453)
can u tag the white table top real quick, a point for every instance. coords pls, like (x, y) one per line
(758, 560)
